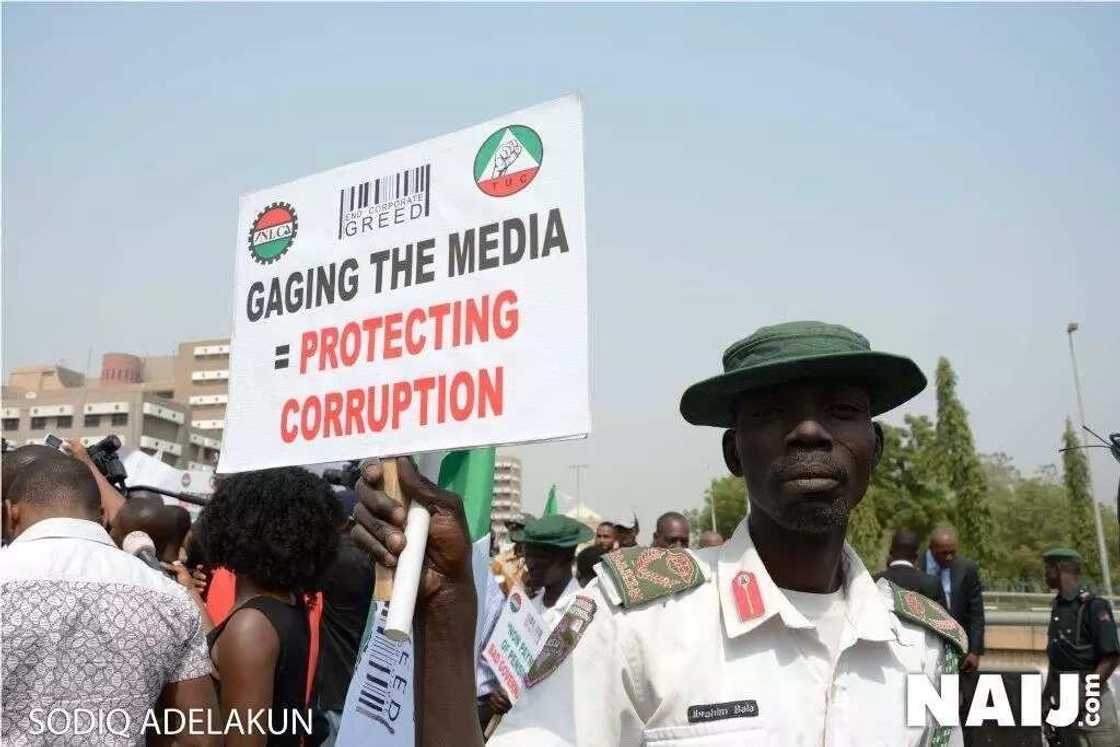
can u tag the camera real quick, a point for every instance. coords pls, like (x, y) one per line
(103, 454)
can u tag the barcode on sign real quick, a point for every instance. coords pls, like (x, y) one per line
(376, 699)
(411, 186)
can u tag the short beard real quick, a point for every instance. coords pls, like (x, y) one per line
(813, 517)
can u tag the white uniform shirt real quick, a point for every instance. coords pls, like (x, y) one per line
(673, 671)
(551, 615)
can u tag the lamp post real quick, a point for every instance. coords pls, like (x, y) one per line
(1102, 548)
(579, 494)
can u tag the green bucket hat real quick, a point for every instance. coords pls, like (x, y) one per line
(795, 351)
(1058, 554)
(554, 530)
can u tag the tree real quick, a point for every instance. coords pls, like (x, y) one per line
(1023, 517)
(1079, 494)
(959, 468)
(904, 492)
(730, 496)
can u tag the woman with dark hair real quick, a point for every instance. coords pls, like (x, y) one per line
(277, 530)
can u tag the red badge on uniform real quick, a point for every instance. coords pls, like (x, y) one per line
(748, 595)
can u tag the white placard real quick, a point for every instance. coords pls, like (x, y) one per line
(515, 643)
(433, 297)
(379, 702)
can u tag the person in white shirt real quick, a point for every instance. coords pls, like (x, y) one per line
(550, 549)
(86, 625)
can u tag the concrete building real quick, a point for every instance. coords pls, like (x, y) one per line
(507, 494)
(170, 405)
(201, 373)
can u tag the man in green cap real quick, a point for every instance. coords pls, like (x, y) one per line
(550, 549)
(1081, 639)
(779, 636)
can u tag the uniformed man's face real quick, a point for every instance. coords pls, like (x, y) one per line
(806, 451)
(1053, 577)
(671, 533)
(546, 565)
(605, 536)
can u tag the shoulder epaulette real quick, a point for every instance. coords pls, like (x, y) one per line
(643, 574)
(921, 610)
(562, 639)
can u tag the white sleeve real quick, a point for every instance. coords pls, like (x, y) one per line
(586, 702)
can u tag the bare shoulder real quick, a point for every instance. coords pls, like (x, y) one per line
(248, 638)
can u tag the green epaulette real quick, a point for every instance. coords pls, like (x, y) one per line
(921, 610)
(643, 574)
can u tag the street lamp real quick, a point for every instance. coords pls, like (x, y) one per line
(1102, 548)
(579, 495)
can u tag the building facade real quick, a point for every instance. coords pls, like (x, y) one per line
(506, 502)
(173, 406)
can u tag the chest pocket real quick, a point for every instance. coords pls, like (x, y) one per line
(735, 732)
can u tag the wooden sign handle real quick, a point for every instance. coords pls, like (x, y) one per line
(492, 726)
(383, 577)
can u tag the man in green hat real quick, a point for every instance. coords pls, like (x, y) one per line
(1081, 639)
(779, 636)
(550, 549)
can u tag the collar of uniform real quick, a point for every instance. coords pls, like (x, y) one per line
(867, 614)
(1070, 594)
(83, 529)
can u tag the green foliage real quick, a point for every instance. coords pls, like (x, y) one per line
(1027, 518)
(959, 468)
(1079, 492)
(730, 496)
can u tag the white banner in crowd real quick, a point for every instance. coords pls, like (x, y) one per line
(148, 470)
(433, 297)
(516, 641)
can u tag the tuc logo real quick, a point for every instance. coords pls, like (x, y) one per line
(508, 160)
(273, 233)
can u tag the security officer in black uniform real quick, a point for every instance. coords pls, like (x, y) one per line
(1082, 638)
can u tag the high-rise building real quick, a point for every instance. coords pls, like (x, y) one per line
(506, 502)
(170, 405)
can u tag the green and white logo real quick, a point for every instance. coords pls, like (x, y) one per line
(508, 161)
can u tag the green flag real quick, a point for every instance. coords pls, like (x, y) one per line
(550, 505)
(470, 474)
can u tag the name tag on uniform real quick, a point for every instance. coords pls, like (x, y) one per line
(698, 714)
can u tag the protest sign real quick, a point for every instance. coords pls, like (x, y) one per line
(379, 702)
(433, 297)
(517, 639)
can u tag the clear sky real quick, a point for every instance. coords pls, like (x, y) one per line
(944, 179)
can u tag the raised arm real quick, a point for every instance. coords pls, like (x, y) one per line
(446, 605)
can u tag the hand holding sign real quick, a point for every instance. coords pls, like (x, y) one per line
(446, 578)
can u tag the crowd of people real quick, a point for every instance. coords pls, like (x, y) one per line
(121, 610)
(249, 618)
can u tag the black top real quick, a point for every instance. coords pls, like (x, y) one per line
(1082, 631)
(909, 577)
(289, 681)
(966, 601)
(346, 599)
